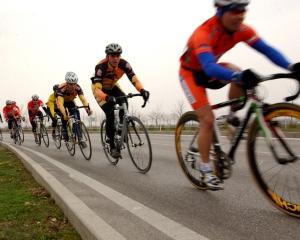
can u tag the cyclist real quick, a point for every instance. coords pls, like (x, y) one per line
(52, 109)
(66, 93)
(200, 69)
(105, 87)
(33, 107)
(11, 113)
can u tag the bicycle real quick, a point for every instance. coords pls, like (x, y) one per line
(58, 133)
(41, 131)
(272, 154)
(78, 134)
(17, 131)
(132, 132)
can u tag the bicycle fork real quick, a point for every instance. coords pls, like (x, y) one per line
(271, 129)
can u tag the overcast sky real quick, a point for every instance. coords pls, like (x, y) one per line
(41, 40)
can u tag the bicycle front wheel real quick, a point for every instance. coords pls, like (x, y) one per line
(70, 144)
(278, 177)
(44, 135)
(186, 143)
(18, 137)
(138, 144)
(21, 132)
(105, 144)
(84, 141)
(57, 137)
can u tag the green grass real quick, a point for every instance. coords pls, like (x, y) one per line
(26, 209)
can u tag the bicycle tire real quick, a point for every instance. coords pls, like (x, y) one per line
(105, 144)
(70, 145)
(137, 137)
(1, 136)
(22, 134)
(39, 138)
(44, 135)
(278, 182)
(17, 137)
(86, 151)
(57, 137)
(187, 128)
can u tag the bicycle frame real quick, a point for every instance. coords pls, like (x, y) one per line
(126, 118)
(118, 123)
(256, 107)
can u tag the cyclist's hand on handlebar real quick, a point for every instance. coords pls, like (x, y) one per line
(295, 67)
(145, 94)
(111, 99)
(89, 112)
(247, 78)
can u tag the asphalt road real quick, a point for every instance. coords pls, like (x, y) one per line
(162, 204)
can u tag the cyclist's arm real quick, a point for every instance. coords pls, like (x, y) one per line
(131, 75)
(274, 55)
(97, 90)
(83, 100)
(209, 65)
(136, 83)
(60, 106)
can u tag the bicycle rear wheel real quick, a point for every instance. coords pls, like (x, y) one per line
(138, 144)
(84, 141)
(44, 135)
(186, 143)
(280, 182)
(105, 144)
(57, 137)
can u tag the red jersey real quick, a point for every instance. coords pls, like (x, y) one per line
(33, 107)
(11, 111)
(211, 37)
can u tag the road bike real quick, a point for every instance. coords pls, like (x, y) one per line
(130, 132)
(78, 134)
(41, 131)
(272, 147)
(17, 131)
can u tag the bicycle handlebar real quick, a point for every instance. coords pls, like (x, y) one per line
(131, 95)
(292, 75)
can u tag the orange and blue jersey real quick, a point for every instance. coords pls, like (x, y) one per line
(199, 67)
(210, 41)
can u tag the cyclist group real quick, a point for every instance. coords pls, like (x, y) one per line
(199, 69)
(61, 101)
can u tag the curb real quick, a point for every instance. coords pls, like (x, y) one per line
(84, 220)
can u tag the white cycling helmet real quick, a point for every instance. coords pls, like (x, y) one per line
(71, 77)
(225, 3)
(8, 102)
(113, 48)
(35, 97)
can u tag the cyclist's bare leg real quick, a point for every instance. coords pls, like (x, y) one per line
(206, 118)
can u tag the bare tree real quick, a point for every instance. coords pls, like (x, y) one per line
(178, 110)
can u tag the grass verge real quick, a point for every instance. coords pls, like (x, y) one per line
(26, 209)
